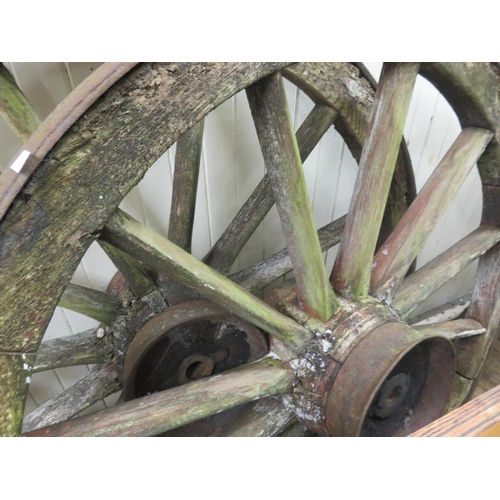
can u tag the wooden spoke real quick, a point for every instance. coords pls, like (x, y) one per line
(458, 329)
(296, 429)
(395, 257)
(88, 347)
(137, 277)
(262, 419)
(99, 383)
(256, 277)
(148, 246)
(101, 306)
(15, 108)
(351, 272)
(281, 155)
(223, 254)
(187, 168)
(446, 312)
(420, 285)
(479, 417)
(181, 405)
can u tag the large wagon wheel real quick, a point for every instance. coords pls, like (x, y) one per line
(344, 362)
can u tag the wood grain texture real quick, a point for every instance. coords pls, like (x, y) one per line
(420, 285)
(100, 306)
(166, 410)
(282, 158)
(226, 249)
(99, 383)
(151, 248)
(15, 108)
(459, 328)
(352, 268)
(187, 169)
(89, 347)
(472, 419)
(396, 255)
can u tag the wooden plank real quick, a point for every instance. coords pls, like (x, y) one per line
(282, 158)
(457, 329)
(181, 405)
(479, 417)
(420, 285)
(151, 248)
(395, 257)
(262, 419)
(15, 108)
(99, 383)
(256, 277)
(136, 276)
(88, 347)
(187, 169)
(100, 306)
(226, 249)
(445, 312)
(352, 268)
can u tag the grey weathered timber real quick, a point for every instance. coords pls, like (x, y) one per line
(418, 286)
(151, 248)
(352, 268)
(282, 159)
(187, 169)
(396, 255)
(89, 347)
(256, 277)
(15, 109)
(136, 276)
(100, 382)
(98, 305)
(444, 312)
(457, 329)
(261, 419)
(226, 249)
(295, 429)
(181, 405)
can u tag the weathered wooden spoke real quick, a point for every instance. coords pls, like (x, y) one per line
(101, 306)
(148, 246)
(166, 410)
(256, 277)
(99, 383)
(225, 250)
(88, 347)
(279, 146)
(395, 257)
(420, 285)
(351, 272)
(187, 169)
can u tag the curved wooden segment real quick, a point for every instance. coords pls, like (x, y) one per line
(89, 347)
(15, 108)
(264, 418)
(187, 169)
(420, 285)
(148, 246)
(256, 277)
(136, 276)
(274, 127)
(226, 249)
(395, 257)
(479, 417)
(352, 268)
(100, 306)
(99, 383)
(453, 330)
(181, 405)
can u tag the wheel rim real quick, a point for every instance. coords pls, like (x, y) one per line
(81, 237)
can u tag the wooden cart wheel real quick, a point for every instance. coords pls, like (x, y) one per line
(343, 360)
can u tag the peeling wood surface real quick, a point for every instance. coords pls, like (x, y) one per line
(460, 328)
(166, 410)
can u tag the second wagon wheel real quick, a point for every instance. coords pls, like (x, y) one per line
(344, 360)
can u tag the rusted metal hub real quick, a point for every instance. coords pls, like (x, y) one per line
(367, 374)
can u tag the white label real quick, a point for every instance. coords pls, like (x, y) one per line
(20, 161)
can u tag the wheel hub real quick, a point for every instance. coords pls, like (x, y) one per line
(368, 374)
